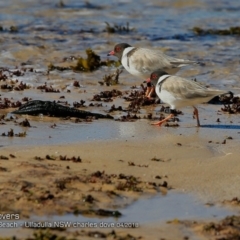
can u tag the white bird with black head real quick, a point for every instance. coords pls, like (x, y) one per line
(180, 92)
(141, 62)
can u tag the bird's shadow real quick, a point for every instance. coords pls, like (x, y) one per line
(221, 126)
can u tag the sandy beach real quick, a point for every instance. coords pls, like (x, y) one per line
(116, 173)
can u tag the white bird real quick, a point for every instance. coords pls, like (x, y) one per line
(141, 62)
(180, 92)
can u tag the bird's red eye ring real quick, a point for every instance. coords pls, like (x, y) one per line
(117, 49)
(154, 76)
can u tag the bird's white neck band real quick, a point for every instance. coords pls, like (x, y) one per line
(163, 78)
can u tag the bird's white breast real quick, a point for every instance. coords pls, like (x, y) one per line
(165, 96)
(126, 62)
(158, 88)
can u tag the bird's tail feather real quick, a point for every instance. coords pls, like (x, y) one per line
(185, 63)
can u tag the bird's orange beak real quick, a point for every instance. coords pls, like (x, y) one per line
(111, 53)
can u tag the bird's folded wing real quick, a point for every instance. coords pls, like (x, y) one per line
(188, 89)
(149, 60)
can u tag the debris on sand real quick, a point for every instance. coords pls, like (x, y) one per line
(111, 79)
(49, 108)
(118, 28)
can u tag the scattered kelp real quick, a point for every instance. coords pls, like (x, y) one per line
(128, 118)
(11, 29)
(52, 67)
(224, 32)
(234, 201)
(118, 28)
(9, 103)
(49, 233)
(223, 99)
(60, 4)
(179, 37)
(10, 84)
(231, 105)
(111, 79)
(114, 108)
(79, 104)
(53, 197)
(45, 88)
(80, 5)
(12, 134)
(60, 158)
(3, 77)
(130, 183)
(100, 212)
(137, 99)
(228, 228)
(25, 123)
(107, 96)
(111, 63)
(3, 157)
(89, 64)
(7, 74)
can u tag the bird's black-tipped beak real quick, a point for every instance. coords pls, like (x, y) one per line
(111, 53)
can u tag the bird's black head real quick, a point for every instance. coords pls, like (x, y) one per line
(118, 50)
(157, 74)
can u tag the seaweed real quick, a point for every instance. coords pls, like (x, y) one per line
(60, 4)
(228, 228)
(12, 134)
(131, 183)
(223, 32)
(111, 63)
(231, 104)
(101, 212)
(111, 79)
(93, 62)
(118, 28)
(47, 234)
(89, 64)
(52, 67)
(12, 29)
(9, 103)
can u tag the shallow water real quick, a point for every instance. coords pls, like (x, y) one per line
(43, 131)
(161, 208)
(151, 210)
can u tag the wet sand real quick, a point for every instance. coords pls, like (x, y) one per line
(189, 163)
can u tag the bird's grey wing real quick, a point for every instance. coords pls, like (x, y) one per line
(184, 88)
(149, 60)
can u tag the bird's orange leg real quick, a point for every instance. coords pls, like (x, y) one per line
(147, 91)
(150, 91)
(150, 88)
(163, 121)
(195, 113)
